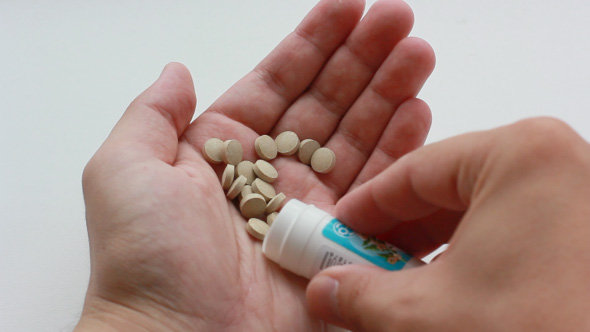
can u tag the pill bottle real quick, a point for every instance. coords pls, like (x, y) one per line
(304, 240)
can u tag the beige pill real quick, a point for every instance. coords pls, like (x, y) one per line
(253, 205)
(263, 188)
(275, 203)
(323, 160)
(271, 218)
(287, 143)
(264, 170)
(212, 150)
(245, 168)
(236, 187)
(265, 147)
(257, 228)
(306, 150)
(246, 190)
(232, 152)
(227, 177)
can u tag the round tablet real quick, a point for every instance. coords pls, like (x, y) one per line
(232, 152)
(227, 177)
(265, 189)
(212, 150)
(287, 143)
(323, 160)
(245, 168)
(236, 187)
(271, 218)
(275, 203)
(306, 150)
(264, 170)
(252, 205)
(257, 228)
(246, 190)
(265, 147)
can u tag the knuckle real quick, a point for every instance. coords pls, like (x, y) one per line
(543, 132)
(89, 172)
(543, 140)
(95, 167)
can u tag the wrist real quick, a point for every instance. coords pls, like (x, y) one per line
(104, 315)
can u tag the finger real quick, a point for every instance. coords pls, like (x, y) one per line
(260, 98)
(406, 132)
(422, 236)
(317, 112)
(151, 125)
(366, 298)
(462, 172)
(400, 78)
(437, 176)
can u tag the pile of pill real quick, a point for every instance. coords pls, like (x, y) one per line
(251, 182)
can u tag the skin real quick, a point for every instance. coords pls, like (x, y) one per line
(168, 250)
(513, 205)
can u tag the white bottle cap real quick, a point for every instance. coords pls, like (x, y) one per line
(286, 239)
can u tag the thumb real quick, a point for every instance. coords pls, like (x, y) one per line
(367, 298)
(152, 123)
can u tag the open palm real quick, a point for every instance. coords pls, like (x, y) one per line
(166, 242)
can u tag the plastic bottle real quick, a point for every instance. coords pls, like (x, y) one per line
(304, 240)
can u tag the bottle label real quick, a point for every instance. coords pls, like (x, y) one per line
(333, 255)
(330, 257)
(370, 248)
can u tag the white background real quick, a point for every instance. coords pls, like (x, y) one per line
(68, 69)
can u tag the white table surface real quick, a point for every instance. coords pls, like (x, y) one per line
(68, 69)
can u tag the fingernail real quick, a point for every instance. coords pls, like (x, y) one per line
(328, 287)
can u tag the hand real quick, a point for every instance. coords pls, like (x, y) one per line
(168, 249)
(513, 202)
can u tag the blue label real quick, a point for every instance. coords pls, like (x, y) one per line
(370, 248)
